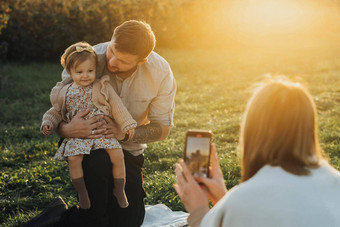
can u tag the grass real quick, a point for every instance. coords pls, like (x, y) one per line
(213, 88)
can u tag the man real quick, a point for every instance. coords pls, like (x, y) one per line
(145, 83)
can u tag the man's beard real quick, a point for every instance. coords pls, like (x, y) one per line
(125, 72)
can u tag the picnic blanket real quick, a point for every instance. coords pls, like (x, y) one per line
(160, 215)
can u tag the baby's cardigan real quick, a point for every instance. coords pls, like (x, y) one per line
(104, 98)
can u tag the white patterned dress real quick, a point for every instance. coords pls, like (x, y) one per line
(79, 99)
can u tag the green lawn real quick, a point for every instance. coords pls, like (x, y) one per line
(213, 88)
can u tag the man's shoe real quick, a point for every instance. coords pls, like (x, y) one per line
(50, 215)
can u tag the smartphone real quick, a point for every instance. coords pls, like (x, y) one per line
(197, 151)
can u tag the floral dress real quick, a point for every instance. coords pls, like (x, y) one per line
(79, 99)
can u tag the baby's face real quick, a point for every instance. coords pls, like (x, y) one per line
(84, 73)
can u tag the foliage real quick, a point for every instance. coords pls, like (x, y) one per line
(42, 29)
(4, 17)
(212, 94)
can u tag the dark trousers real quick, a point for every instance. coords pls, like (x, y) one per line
(105, 210)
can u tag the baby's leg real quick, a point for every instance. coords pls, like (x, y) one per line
(77, 176)
(118, 171)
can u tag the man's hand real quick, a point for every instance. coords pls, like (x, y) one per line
(112, 129)
(78, 127)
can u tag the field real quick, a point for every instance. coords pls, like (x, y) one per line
(213, 88)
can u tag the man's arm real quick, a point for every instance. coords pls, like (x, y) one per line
(160, 112)
(150, 133)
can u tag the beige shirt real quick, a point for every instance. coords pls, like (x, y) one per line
(148, 93)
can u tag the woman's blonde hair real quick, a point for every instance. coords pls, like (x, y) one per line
(279, 129)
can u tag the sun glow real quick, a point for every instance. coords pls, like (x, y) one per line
(272, 21)
(274, 15)
(269, 16)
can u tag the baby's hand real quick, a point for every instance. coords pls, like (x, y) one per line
(131, 133)
(47, 129)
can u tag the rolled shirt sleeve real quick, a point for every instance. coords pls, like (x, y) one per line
(161, 108)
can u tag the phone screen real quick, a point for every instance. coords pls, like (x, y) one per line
(197, 155)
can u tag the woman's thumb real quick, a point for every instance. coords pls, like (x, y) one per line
(204, 180)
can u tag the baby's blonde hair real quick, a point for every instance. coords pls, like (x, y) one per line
(76, 54)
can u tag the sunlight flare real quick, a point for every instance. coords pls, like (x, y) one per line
(266, 16)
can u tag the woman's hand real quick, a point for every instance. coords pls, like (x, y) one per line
(78, 127)
(188, 189)
(214, 185)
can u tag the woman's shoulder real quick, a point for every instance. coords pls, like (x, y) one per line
(271, 179)
(326, 175)
(267, 178)
(272, 191)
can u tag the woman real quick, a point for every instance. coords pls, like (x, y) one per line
(285, 180)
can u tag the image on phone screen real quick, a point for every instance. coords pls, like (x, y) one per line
(197, 155)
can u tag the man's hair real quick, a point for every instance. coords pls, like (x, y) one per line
(279, 129)
(76, 54)
(134, 37)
